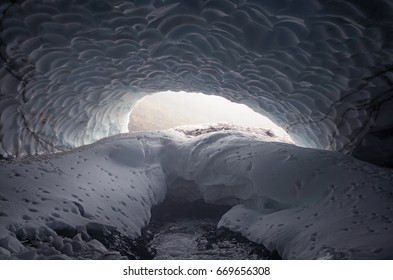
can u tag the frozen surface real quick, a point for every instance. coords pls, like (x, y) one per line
(305, 203)
(322, 70)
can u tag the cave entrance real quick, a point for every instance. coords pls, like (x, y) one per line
(169, 109)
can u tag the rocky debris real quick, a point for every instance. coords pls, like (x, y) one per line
(189, 231)
(226, 241)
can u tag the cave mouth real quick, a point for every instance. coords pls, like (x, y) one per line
(169, 109)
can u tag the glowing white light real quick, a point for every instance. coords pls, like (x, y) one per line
(169, 109)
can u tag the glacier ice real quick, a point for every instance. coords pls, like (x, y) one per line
(322, 70)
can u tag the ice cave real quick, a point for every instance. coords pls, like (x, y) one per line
(76, 184)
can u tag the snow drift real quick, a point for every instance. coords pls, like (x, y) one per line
(305, 203)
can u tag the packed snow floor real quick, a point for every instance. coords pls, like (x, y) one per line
(304, 203)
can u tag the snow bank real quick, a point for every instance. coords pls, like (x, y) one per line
(112, 183)
(305, 203)
(321, 69)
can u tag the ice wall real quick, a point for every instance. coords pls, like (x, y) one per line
(321, 69)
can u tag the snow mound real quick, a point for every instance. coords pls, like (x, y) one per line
(114, 183)
(304, 203)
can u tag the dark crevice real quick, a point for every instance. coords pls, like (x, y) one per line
(196, 225)
(170, 211)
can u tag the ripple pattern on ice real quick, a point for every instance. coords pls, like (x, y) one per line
(321, 69)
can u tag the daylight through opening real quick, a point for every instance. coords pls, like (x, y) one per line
(192, 110)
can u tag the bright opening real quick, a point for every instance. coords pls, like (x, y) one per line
(166, 110)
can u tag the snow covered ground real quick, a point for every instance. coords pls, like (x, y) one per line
(304, 203)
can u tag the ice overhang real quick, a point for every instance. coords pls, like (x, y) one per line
(321, 70)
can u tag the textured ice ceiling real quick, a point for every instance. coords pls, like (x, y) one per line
(323, 70)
